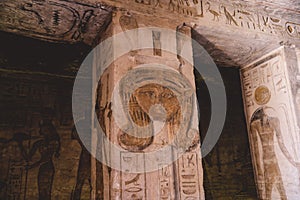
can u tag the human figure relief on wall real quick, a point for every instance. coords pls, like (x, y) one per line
(48, 146)
(273, 131)
(263, 128)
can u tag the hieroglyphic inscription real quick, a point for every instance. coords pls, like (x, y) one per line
(15, 180)
(165, 183)
(156, 43)
(240, 16)
(184, 7)
(52, 20)
(293, 29)
(188, 176)
(67, 21)
(270, 74)
(262, 95)
(234, 15)
(133, 184)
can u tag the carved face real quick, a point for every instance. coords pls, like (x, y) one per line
(149, 102)
(155, 100)
(265, 119)
(262, 116)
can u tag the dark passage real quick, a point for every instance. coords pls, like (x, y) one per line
(228, 171)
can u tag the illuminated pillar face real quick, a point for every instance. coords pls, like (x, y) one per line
(272, 126)
(151, 101)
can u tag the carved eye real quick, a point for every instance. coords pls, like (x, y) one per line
(148, 94)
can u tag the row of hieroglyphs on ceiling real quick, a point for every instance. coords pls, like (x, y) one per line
(72, 21)
(236, 15)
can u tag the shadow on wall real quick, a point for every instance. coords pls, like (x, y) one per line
(228, 171)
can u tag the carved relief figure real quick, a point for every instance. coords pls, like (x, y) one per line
(128, 22)
(83, 25)
(229, 16)
(34, 18)
(84, 166)
(189, 177)
(262, 95)
(246, 18)
(156, 43)
(48, 146)
(293, 29)
(263, 128)
(159, 102)
(165, 183)
(213, 12)
(158, 4)
(142, 106)
(53, 20)
(171, 5)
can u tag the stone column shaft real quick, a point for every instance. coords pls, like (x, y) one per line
(270, 87)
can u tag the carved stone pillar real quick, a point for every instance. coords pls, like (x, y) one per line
(270, 88)
(157, 99)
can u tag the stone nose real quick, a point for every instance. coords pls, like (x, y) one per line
(157, 112)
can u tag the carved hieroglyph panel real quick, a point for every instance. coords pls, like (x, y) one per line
(133, 184)
(271, 121)
(189, 177)
(239, 16)
(60, 21)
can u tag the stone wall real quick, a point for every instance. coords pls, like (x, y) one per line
(36, 116)
(25, 101)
